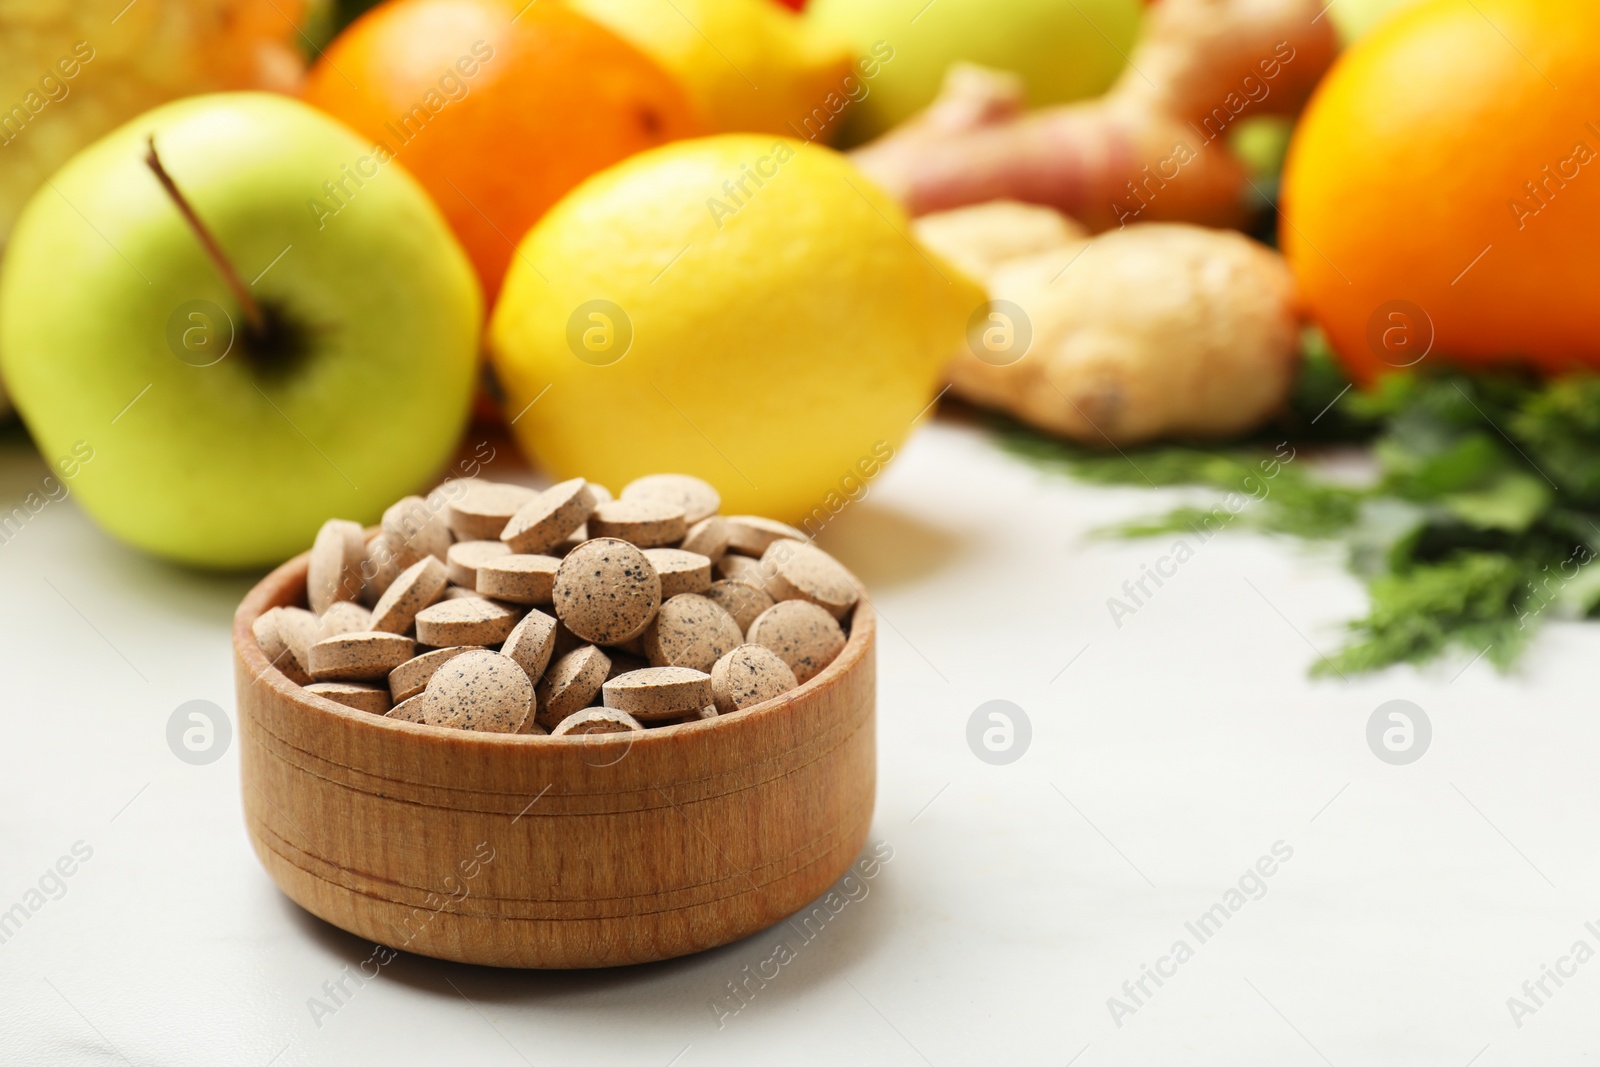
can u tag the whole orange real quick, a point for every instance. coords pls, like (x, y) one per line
(498, 108)
(1441, 196)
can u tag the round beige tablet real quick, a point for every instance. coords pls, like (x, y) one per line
(455, 592)
(708, 537)
(743, 600)
(412, 709)
(800, 571)
(695, 497)
(680, 571)
(803, 635)
(546, 520)
(750, 535)
(571, 684)
(368, 698)
(658, 692)
(344, 617)
(465, 557)
(272, 634)
(648, 523)
(411, 677)
(531, 643)
(359, 657)
(600, 493)
(415, 528)
(468, 621)
(606, 591)
(741, 569)
(300, 629)
(334, 570)
(748, 675)
(478, 510)
(690, 631)
(380, 567)
(480, 690)
(597, 721)
(521, 579)
(418, 585)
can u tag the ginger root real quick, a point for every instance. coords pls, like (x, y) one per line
(1152, 148)
(1156, 330)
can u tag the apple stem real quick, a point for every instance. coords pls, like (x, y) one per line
(252, 310)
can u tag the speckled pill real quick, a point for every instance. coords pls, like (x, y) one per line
(468, 621)
(740, 569)
(479, 510)
(379, 568)
(690, 631)
(415, 528)
(680, 571)
(531, 643)
(799, 571)
(412, 709)
(648, 523)
(418, 585)
(708, 537)
(344, 617)
(749, 675)
(803, 635)
(359, 657)
(272, 628)
(606, 591)
(545, 521)
(570, 684)
(695, 497)
(480, 690)
(597, 721)
(743, 600)
(465, 557)
(519, 578)
(333, 571)
(658, 692)
(411, 677)
(369, 698)
(751, 535)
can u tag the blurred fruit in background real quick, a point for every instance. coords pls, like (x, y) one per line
(778, 338)
(1356, 18)
(497, 112)
(71, 70)
(221, 437)
(748, 65)
(1443, 195)
(1062, 51)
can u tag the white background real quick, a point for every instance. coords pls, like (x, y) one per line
(1171, 754)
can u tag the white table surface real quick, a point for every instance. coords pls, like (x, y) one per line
(1168, 757)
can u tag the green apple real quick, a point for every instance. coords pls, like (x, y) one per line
(1062, 50)
(214, 442)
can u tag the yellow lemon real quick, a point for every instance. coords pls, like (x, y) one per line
(749, 65)
(744, 308)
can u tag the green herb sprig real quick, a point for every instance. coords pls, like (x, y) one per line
(1483, 517)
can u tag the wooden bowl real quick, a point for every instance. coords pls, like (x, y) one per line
(526, 851)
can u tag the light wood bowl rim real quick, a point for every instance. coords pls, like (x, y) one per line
(284, 586)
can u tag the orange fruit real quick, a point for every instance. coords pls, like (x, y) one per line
(1441, 196)
(498, 108)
